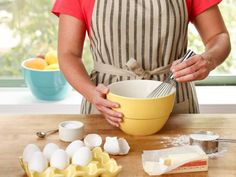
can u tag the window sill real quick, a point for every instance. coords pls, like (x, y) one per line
(212, 99)
(217, 99)
(21, 101)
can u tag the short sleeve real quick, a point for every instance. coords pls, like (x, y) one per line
(68, 7)
(196, 7)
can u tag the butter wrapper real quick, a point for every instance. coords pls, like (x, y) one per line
(188, 158)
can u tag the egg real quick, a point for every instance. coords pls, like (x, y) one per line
(28, 152)
(92, 141)
(82, 157)
(49, 149)
(111, 146)
(59, 159)
(73, 147)
(38, 162)
(124, 146)
(116, 146)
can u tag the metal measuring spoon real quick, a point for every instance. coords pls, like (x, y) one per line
(208, 141)
(226, 140)
(42, 134)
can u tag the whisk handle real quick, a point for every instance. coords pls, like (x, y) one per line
(188, 54)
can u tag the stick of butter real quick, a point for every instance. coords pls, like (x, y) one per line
(174, 159)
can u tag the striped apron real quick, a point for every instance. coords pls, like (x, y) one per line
(139, 39)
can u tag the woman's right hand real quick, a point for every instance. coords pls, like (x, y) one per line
(105, 106)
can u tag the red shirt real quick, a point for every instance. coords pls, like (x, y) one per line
(83, 9)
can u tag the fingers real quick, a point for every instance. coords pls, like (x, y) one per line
(188, 70)
(185, 64)
(176, 62)
(99, 98)
(110, 121)
(102, 89)
(198, 75)
(109, 112)
(105, 106)
(195, 68)
(100, 101)
(113, 117)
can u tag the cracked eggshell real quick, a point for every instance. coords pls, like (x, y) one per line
(93, 140)
(38, 162)
(59, 159)
(124, 146)
(49, 149)
(73, 147)
(111, 145)
(82, 157)
(28, 152)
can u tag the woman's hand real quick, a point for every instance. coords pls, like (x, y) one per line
(195, 68)
(105, 106)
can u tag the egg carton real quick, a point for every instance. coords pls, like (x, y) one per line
(101, 165)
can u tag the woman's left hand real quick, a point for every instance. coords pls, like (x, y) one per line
(195, 68)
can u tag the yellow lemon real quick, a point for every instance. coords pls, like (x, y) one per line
(52, 67)
(36, 63)
(51, 57)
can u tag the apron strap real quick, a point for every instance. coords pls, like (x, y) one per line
(134, 70)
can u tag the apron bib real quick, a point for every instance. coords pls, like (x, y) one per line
(139, 39)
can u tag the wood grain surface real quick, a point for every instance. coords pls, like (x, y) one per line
(19, 130)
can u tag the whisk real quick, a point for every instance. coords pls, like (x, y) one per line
(166, 86)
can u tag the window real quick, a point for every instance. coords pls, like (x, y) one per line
(27, 28)
(225, 73)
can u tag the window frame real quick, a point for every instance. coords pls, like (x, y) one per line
(215, 80)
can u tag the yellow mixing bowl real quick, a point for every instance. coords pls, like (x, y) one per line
(142, 127)
(142, 115)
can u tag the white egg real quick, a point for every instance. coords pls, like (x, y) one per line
(49, 149)
(73, 147)
(59, 159)
(111, 146)
(82, 157)
(28, 152)
(38, 162)
(124, 146)
(93, 140)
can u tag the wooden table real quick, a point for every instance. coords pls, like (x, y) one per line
(18, 131)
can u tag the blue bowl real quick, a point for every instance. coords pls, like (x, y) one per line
(46, 84)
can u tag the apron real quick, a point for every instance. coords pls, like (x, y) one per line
(139, 39)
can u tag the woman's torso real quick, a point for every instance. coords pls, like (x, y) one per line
(153, 32)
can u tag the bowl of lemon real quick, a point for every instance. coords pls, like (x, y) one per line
(43, 77)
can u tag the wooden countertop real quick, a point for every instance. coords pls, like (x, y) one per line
(18, 131)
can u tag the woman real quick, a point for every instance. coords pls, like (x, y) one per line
(153, 32)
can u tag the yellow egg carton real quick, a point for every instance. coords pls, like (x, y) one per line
(101, 166)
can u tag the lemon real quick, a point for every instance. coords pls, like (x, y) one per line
(52, 67)
(51, 57)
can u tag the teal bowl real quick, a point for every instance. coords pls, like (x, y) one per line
(49, 85)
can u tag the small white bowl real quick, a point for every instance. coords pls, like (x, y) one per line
(71, 130)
